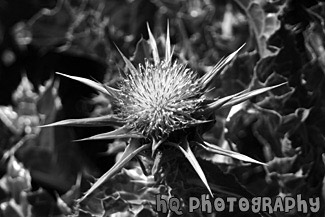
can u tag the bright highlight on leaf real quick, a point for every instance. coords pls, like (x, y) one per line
(156, 99)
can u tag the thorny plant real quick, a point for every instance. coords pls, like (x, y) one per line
(157, 101)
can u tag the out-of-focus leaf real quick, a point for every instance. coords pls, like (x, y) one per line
(43, 204)
(18, 179)
(74, 28)
(289, 182)
(8, 118)
(46, 102)
(46, 37)
(263, 24)
(142, 52)
(281, 165)
(22, 34)
(11, 209)
(116, 147)
(25, 98)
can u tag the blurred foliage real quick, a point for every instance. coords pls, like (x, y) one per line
(43, 171)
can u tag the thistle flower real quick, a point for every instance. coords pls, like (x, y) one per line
(156, 99)
(160, 98)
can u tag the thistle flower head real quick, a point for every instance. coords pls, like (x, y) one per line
(155, 99)
(160, 98)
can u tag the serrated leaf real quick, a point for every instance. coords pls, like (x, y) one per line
(113, 205)
(186, 150)
(128, 190)
(119, 133)
(107, 120)
(216, 149)
(131, 151)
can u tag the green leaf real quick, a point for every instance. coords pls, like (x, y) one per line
(119, 133)
(131, 151)
(191, 158)
(107, 120)
(216, 149)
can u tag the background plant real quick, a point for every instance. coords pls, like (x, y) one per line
(284, 43)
